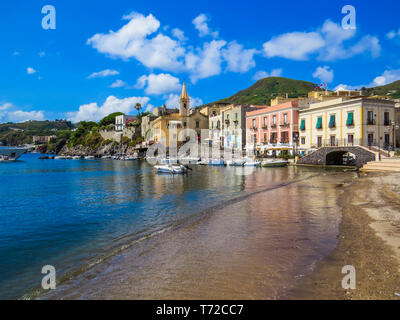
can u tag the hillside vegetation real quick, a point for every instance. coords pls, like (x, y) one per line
(266, 89)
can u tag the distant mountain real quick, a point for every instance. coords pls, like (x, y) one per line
(392, 90)
(266, 89)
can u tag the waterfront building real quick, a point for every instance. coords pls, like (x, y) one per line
(122, 121)
(349, 120)
(146, 127)
(273, 128)
(184, 119)
(42, 139)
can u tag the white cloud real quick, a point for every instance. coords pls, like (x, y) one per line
(179, 34)
(22, 116)
(238, 58)
(8, 113)
(386, 77)
(328, 41)
(131, 41)
(345, 87)
(103, 74)
(324, 74)
(206, 62)
(30, 70)
(393, 34)
(263, 74)
(201, 25)
(295, 45)
(158, 83)
(94, 112)
(118, 84)
(173, 101)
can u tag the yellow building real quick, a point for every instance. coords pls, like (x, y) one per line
(167, 128)
(347, 121)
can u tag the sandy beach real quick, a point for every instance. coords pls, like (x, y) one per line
(369, 240)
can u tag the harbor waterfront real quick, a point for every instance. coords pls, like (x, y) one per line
(116, 229)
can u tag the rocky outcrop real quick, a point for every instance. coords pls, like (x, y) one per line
(110, 149)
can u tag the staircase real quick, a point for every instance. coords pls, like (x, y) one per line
(386, 165)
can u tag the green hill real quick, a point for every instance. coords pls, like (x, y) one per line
(392, 90)
(266, 89)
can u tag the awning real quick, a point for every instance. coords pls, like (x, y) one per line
(319, 123)
(332, 121)
(350, 119)
(303, 124)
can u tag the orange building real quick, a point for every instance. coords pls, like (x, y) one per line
(273, 127)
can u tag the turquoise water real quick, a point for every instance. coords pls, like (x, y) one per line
(67, 212)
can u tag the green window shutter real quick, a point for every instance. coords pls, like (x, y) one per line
(332, 123)
(303, 125)
(350, 119)
(319, 123)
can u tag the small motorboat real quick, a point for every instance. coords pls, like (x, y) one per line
(204, 162)
(217, 162)
(129, 158)
(274, 163)
(252, 163)
(89, 157)
(106, 157)
(172, 169)
(236, 163)
(76, 157)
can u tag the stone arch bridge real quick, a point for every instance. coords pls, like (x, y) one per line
(326, 156)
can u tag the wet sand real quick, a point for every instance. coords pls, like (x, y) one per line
(369, 240)
(289, 242)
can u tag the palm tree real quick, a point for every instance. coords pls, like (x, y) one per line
(138, 107)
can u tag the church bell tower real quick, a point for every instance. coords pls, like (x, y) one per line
(184, 102)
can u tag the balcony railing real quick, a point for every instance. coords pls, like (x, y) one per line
(285, 125)
(265, 127)
(387, 123)
(273, 126)
(371, 122)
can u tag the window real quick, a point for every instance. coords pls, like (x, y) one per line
(236, 116)
(284, 137)
(265, 137)
(218, 124)
(319, 142)
(350, 119)
(227, 116)
(350, 139)
(285, 118)
(303, 140)
(333, 141)
(274, 120)
(370, 118)
(197, 124)
(387, 140)
(254, 124)
(303, 125)
(273, 137)
(386, 119)
(265, 122)
(332, 121)
(370, 139)
(319, 123)
(212, 125)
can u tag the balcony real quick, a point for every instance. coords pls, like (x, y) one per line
(265, 127)
(236, 122)
(285, 125)
(371, 122)
(253, 128)
(273, 126)
(227, 122)
(387, 123)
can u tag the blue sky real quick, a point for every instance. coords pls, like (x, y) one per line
(105, 56)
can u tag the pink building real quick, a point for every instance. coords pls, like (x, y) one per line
(273, 126)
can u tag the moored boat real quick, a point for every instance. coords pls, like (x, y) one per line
(9, 154)
(173, 169)
(274, 163)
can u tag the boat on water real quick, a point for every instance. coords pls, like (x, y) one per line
(274, 163)
(128, 158)
(172, 169)
(9, 154)
(89, 157)
(236, 163)
(217, 162)
(252, 163)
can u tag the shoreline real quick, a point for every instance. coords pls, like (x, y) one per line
(369, 240)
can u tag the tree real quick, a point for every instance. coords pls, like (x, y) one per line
(138, 107)
(110, 119)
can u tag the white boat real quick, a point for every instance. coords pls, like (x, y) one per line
(271, 163)
(8, 154)
(176, 169)
(60, 158)
(89, 157)
(129, 158)
(106, 157)
(204, 162)
(76, 157)
(236, 162)
(252, 163)
(217, 162)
